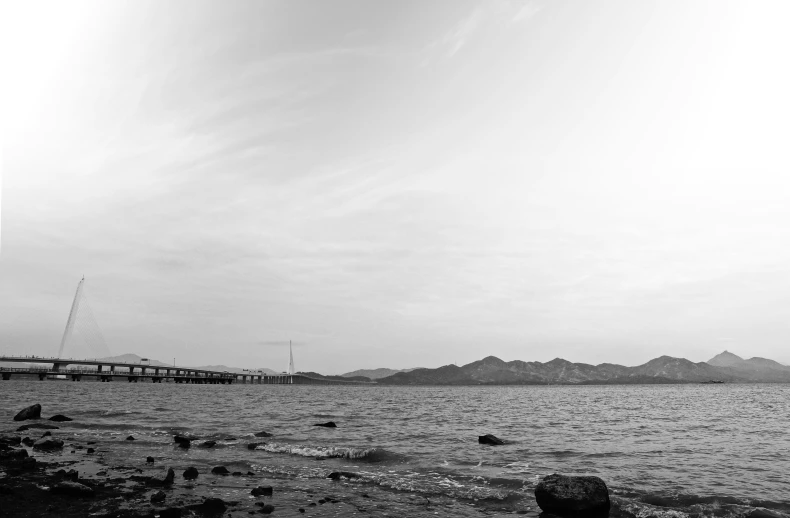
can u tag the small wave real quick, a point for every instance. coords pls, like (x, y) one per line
(369, 454)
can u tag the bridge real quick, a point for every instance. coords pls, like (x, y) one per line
(106, 369)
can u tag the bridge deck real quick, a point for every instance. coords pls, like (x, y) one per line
(135, 372)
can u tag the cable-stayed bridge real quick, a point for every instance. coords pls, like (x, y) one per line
(82, 333)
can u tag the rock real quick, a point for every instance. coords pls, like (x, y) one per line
(27, 441)
(253, 445)
(164, 478)
(31, 412)
(220, 470)
(191, 473)
(90, 450)
(236, 474)
(158, 497)
(212, 505)
(73, 489)
(490, 439)
(301, 510)
(60, 418)
(263, 434)
(130, 438)
(14, 454)
(330, 424)
(208, 444)
(170, 512)
(184, 442)
(48, 443)
(267, 509)
(572, 496)
(71, 474)
(762, 512)
(10, 441)
(36, 425)
(337, 475)
(149, 460)
(47, 434)
(262, 491)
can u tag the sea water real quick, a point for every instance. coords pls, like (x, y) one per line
(709, 449)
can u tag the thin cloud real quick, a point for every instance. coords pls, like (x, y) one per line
(527, 12)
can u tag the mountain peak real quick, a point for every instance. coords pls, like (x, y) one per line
(725, 359)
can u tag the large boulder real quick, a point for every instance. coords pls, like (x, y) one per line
(31, 412)
(48, 443)
(164, 478)
(191, 473)
(572, 496)
(490, 439)
(220, 470)
(262, 491)
(73, 489)
(183, 442)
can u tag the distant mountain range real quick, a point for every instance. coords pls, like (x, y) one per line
(725, 367)
(374, 374)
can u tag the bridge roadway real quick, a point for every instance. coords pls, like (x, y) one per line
(135, 372)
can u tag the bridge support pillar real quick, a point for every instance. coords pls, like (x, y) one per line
(98, 369)
(76, 377)
(6, 375)
(42, 377)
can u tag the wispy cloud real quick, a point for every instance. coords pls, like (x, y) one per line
(460, 34)
(527, 12)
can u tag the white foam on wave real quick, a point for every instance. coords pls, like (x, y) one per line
(318, 451)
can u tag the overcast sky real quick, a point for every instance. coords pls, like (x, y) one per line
(398, 184)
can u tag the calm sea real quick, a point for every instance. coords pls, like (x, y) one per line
(698, 448)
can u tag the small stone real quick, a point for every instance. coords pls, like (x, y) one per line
(337, 475)
(130, 438)
(220, 470)
(263, 434)
(27, 441)
(158, 497)
(213, 505)
(191, 473)
(90, 450)
(301, 510)
(31, 412)
(149, 460)
(60, 418)
(490, 440)
(262, 491)
(47, 434)
(253, 445)
(37, 425)
(236, 474)
(48, 443)
(267, 509)
(162, 479)
(329, 424)
(311, 504)
(170, 512)
(208, 444)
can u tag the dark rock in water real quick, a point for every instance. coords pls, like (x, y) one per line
(253, 445)
(31, 412)
(191, 473)
(71, 474)
(337, 475)
(490, 439)
(311, 504)
(130, 438)
(158, 497)
(263, 434)
(27, 441)
(182, 441)
(250, 474)
(236, 474)
(60, 418)
(262, 491)
(301, 510)
(73, 489)
(572, 496)
(37, 425)
(212, 505)
(330, 424)
(170, 512)
(149, 460)
(47, 434)
(91, 442)
(48, 443)
(90, 450)
(208, 444)
(5, 490)
(267, 509)
(162, 479)
(14, 454)
(10, 441)
(220, 470)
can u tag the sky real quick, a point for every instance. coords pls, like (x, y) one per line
(398, 184)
